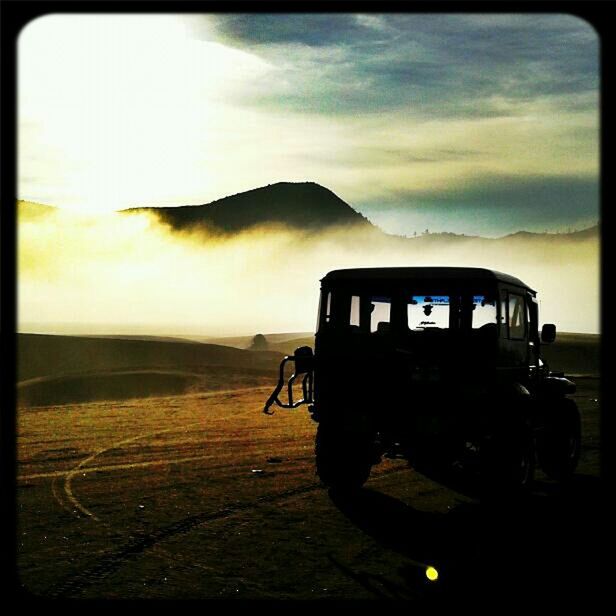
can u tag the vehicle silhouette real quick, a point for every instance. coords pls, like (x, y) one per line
(438, 365)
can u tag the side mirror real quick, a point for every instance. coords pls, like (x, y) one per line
(548, 333)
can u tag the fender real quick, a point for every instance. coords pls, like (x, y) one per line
(556, 386)
(519, 392)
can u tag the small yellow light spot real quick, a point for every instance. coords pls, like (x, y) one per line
(432, 574)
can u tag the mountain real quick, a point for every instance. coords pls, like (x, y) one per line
(306, 206)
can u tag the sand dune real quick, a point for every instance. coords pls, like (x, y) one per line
(288, 346)
(55, 370)
(42, 355)
(244, 342)
(129, 384)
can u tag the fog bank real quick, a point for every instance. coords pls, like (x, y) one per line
(120, 273)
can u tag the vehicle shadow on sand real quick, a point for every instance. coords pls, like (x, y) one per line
(546, 544)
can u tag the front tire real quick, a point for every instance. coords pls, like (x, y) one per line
(343, 458)
(508, 460)
(560, 443)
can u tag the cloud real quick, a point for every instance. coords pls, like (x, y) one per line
(117, 109)
(120, 111)
(374, 22)
(120, 273)
(296, 28)
(439, 65)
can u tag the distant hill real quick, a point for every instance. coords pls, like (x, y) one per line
(306, 206)
(147, 337)
(243, 342)
(590, 233)
(40, 355)
(55, 370)
(288, 346)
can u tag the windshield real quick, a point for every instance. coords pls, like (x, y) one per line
(428, 312)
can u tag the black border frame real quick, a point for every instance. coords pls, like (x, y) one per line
(16, 14)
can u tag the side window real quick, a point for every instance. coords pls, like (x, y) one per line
(428, 311)
(380, 314)
(502, 317)
(325, 308)
(354, 319)
(484, 311)
(516, 316)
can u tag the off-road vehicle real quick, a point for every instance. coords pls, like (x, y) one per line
(439, 365)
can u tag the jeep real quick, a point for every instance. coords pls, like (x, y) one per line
(441, 366)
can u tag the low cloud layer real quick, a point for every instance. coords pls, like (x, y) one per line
(120, 273)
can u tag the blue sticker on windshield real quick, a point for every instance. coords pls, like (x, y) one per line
(435, 300)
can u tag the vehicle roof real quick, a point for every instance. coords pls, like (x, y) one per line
(422, 273)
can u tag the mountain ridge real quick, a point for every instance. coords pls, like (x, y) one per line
(302, 205)
(188, 217)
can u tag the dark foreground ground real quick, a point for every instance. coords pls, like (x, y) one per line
(202, 496)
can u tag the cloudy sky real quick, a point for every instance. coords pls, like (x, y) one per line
(480, 124)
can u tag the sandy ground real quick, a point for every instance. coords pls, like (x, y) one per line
(203, 496)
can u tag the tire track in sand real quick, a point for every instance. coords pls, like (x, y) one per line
(75, 506)
(111, 562)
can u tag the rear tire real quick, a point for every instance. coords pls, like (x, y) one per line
(343, 458)
(560, 443)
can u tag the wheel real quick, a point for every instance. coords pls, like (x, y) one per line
(508, 460)
(559, 446)
(343, 458)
